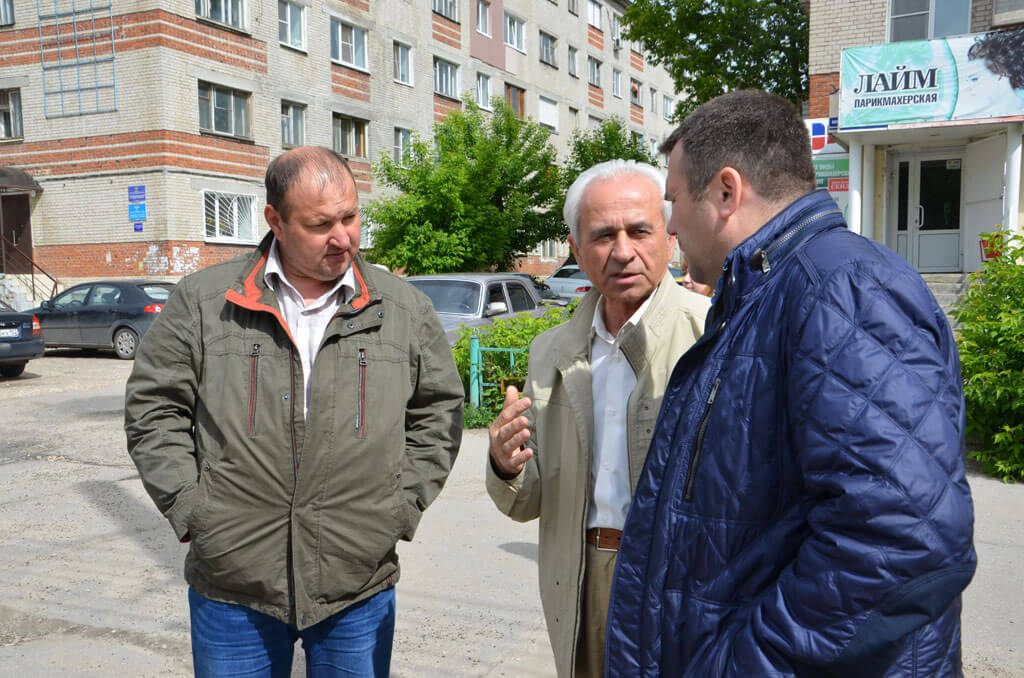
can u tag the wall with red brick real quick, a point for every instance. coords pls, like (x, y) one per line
(162, 258)
(822, 86)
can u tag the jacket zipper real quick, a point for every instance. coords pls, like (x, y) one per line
(766, 265)
(254, 370)
(361, 409)
(691, 473)
(291, 418)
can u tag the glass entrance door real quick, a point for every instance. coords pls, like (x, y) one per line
(928, 209)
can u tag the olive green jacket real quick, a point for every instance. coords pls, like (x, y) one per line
(555, 483)
(296, 518)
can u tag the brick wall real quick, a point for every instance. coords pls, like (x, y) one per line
(163, 258)
(822, 86)
(836, 25)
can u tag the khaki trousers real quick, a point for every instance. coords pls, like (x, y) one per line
(599, 566)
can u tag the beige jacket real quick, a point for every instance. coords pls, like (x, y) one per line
(555, 483)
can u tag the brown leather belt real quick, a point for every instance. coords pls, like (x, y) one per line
(604, 538)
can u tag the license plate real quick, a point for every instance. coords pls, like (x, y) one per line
(12, 333)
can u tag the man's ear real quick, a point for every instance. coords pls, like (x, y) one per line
(727, 191)
(575, 250)
(273, 218)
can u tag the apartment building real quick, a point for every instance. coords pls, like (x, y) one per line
(134, 135)
(928, 98)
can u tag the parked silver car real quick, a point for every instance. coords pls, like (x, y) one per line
(476, 299)
(568, 282)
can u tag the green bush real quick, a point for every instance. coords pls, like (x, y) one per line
(517, 333)
(991, 342)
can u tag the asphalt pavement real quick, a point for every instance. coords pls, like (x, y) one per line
(93, 584)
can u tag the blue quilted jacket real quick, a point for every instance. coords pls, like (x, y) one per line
(803, 509)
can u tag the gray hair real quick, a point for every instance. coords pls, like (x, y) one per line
(608, 170)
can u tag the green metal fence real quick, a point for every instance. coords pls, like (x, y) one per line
(476, 368)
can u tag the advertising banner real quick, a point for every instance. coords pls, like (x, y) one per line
(971, 77)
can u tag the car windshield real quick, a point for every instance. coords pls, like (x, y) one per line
(157, 292)
(451, 296)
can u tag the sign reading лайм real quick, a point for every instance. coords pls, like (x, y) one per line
(965, 78)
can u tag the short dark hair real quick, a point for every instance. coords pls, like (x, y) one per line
(285, 170)
(761, 135)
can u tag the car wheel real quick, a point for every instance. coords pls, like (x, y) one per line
(11, 371)
(125, 343)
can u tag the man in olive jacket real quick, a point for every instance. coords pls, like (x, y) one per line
(571, 451)
(292, 413)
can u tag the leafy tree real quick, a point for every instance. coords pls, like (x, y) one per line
(710, 47)
(479, 197)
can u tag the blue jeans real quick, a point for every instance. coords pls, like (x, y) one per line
(232, 640)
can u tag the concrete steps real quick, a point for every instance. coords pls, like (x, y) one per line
(947, 289)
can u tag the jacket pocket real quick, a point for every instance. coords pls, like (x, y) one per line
(698, 446)
(361, 404)
(254, 372)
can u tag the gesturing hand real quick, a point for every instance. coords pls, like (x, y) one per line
(508, 434)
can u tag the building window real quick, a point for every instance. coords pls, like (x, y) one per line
(593, 122)
(293, 125)
(223, 110)
(593, 71)
(654, 100)
(446, 8)
(230, 12)
(547, 113)
(6, 12)
(483, 17)
(634, 92)
(483, 91)
(515, 30)
(516, 98)
(548, 49)
(594, 13)
(446, 78)
(291, 24)
(572, 62)
(10, 114)
(403, 141)
(574, 115)
(348, 44)
(666, 107)
(617, 83)
(574, 7)
(403, 63)
(926, 19)
(616, 30)
(349, 136)
(230, 217)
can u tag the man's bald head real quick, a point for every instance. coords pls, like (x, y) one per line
(323, 165)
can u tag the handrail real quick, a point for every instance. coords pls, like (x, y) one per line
(7, 247)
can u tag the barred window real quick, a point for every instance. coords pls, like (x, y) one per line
(230, 217)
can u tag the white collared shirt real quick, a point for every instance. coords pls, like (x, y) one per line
(307, 323)
(612, 381)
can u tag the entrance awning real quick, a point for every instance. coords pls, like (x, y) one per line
(14, 180)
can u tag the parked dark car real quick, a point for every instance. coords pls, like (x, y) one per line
(105, 314)
(21, 340)
(476, 299)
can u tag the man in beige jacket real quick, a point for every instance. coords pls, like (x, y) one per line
(571, 450)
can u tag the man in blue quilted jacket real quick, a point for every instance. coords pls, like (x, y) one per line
(803, 509)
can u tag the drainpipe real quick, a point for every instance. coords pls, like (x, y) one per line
(856, 158)
(1011, 178)
(868, 193)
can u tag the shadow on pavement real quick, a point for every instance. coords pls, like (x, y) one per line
(521, 548)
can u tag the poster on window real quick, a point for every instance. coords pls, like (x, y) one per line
(971, 77)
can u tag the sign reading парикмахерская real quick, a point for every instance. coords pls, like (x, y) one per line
(965, 78)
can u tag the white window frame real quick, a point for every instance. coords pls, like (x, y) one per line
(358, 126)
(235, 12)
(290, 9)
(446, 73)
(552, 52)
(543, 101)
(211, 107)
(574, 7)
(616, 28)
(573, 61)
(338, 26)
(6, 12)
(11, 122)
(616, 83)
(397, 46)
(654, 100)
(449, 9)
(667, 105)
(402, 144)
(516, 28)
(292, 113)
(226, 207)
(483, 17)
(639, 99)
(593, 71)
(594, 13)
(930, 34)
(483, 91)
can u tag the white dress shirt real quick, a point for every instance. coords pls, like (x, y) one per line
(612, 382)
(307, 322)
